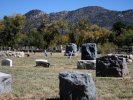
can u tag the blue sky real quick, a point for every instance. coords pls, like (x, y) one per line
(11, 7)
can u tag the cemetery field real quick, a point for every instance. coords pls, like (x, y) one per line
(39, 83)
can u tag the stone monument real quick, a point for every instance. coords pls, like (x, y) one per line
(76, 86)
(6, 62)
(71, 49)
(111, 66)
(5, 83)
(130, 49)
(42, 62)
(88, 56)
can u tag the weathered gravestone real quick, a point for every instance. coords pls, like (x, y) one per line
(76, 86)
(111, 66)
(130, 49)
(88, 56)
(71, 49)
(89, 51)
(42, 62)
(5, 83)
(86, 64)
(6, 62)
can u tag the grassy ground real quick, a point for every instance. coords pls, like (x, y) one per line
(38, 83)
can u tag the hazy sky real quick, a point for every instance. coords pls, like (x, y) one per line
(11, 7)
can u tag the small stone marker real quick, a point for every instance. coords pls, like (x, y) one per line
(42, 62)
(76, 86)
(111, 66)
(5, 83)
(6, 62)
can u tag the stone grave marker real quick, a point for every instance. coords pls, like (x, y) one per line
(5, 83)
(42, 62)
(111, 66)
(6, 62)
(88, 56)
(71, 49)
(76, 86)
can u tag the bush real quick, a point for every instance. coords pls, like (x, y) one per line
(106, 48)
(99, 49)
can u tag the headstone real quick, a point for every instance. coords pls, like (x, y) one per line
(111, 66)
(130, 49)
(89, 51)
(76, 86)
(42, 62)
(6, 62)
(71, 49)
(5, 83)
(88, 56)
(86, 64)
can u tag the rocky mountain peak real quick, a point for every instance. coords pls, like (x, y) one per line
(95, 14)
(35, 14)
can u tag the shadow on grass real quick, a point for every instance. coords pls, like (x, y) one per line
(53, 99)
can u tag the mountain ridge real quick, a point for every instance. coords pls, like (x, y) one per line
(95, 14)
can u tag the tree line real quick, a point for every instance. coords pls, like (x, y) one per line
(16, 32)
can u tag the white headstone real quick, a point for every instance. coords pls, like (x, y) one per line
(5, 83)
(6, 62)
(42, 62)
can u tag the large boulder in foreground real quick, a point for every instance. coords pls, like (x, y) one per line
(77, 86)
(89, 51)
(111, 66)
(5, 83)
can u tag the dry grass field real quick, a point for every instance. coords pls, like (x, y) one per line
(39, 83)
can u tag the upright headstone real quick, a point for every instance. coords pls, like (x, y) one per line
(5, 83)
(130, 49)
(6, 62)
(89, 51)
(76, 86)
(88, 56)
(111, 66)
(71, 49)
